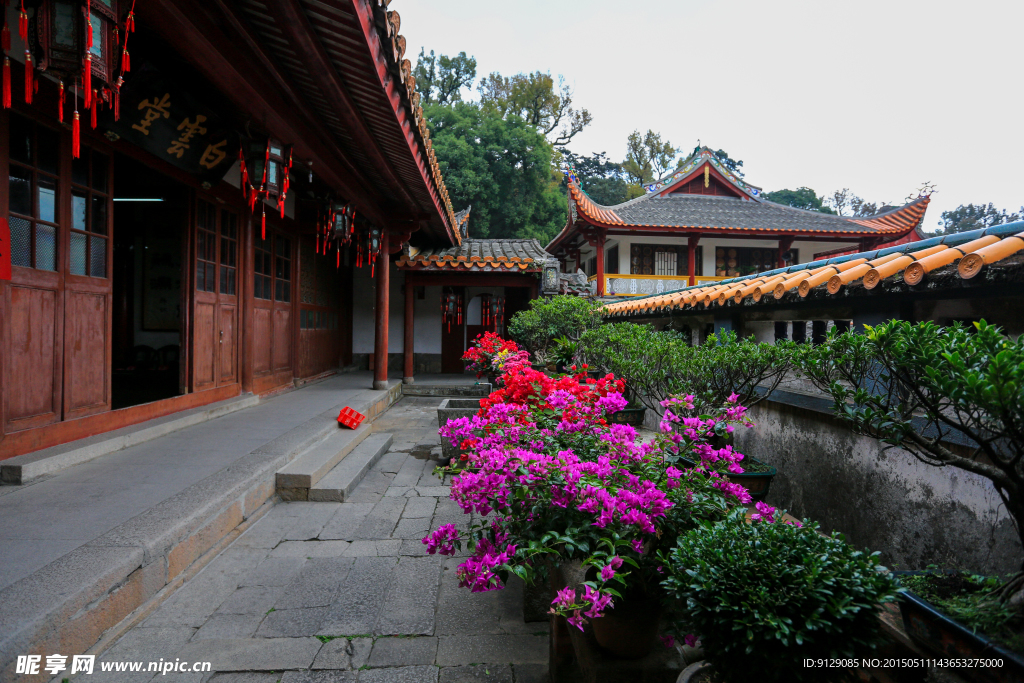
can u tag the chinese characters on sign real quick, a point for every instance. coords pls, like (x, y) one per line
(168, 121)
(30, 665)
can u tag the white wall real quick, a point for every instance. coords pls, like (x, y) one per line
(364, 304)
(710, 243)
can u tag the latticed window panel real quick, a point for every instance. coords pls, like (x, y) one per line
(32, 191)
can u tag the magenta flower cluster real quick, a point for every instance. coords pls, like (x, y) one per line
(550, 479)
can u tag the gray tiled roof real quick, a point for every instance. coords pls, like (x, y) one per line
(712, 212)
(481, 254)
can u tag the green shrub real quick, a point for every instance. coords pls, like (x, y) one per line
(657, 365)
(921, 387)
(547, 319)
(764, 596)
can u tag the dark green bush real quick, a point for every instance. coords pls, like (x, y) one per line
(547, 319)
(764, 596)
(657, 365)
(922, 387)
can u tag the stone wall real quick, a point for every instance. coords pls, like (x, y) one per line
(885, 500)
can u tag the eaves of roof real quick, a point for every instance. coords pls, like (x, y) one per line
(972, 251)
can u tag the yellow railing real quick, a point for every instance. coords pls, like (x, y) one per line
(646, 285)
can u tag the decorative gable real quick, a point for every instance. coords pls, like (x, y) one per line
(706, 181)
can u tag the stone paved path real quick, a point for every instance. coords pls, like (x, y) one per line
(344, 592)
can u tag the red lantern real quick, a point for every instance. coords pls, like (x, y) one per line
(485, 310)
(451, 308)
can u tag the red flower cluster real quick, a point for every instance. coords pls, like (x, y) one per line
(480, 357)
(528, 387)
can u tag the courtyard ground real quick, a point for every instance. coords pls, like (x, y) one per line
(344, 592)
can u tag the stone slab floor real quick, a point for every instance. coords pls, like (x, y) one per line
(344, 592)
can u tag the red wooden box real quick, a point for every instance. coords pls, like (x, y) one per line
(350, 418)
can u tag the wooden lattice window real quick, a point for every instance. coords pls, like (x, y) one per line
(33, 194)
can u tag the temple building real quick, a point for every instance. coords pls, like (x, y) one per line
(213, 199)
(704, 223)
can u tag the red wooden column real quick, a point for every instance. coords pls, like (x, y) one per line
(691, 259)
(599, 243)
(380, 345)
(410, 327)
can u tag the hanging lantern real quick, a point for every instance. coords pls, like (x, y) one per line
(486, 319)
(497, 305)
(451, 308)
(343, 221)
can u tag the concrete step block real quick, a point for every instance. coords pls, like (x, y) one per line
(23, 468)
(343, 479)
(296, 478)
(446, 390)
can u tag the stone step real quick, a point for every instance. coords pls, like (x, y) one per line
(296, 478)
(23, 468)
(340, 482)
(446, 390)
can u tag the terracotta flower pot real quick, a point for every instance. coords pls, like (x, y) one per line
(630, 629)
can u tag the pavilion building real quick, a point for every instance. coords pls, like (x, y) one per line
(703, 224)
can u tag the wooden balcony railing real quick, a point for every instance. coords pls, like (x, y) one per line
(646, 285)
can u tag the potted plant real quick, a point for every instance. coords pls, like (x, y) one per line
(960, 615)
(561, 483)
(763, 597)
(490, 354)
(921, 387)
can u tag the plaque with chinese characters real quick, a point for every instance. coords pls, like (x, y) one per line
(163, 118)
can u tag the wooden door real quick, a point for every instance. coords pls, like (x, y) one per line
(32, 309)
(272, 331)
(215, 301)
(88, 287)
(453, 342)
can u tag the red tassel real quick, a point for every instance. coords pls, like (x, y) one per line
(60, 107)
(264, 223)
(87, 81)
(5, 36)
(23, 22)
(130, 23)
(318, 243)
(88, 27)
(29, 77)
(126, 61)
(95, 106)
(117, 105)
(7, 83)
(75, 136)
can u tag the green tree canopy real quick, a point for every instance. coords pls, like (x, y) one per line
(503, 166)
(648, 157)
(537, 100)
(974, 216)
(800, 198)
(440, 79)
(600, 178)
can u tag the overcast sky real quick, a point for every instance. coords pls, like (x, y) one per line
(877, 96)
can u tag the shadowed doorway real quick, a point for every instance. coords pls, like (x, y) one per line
(150, 212)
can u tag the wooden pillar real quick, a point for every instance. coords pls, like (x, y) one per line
(410, 312)
(691, 259)
(380, 345)
(600, 264)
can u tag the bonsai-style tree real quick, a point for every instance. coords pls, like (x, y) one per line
(657, 365)
(549, 319)
(921, 387)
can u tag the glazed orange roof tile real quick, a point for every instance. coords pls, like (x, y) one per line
(947, 259)
(508, 255)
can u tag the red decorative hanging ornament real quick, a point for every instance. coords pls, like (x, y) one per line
(60, 101)
(29, 78)
(23, 23)
(88, 24)
(92, 111)
(264, 224)
(126, 61)
(75, 128)
(7, 82)
(87, 80)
